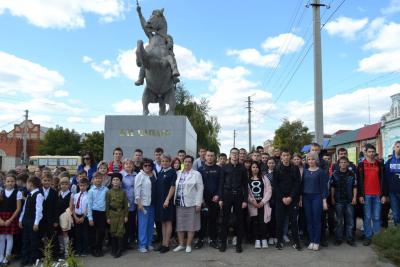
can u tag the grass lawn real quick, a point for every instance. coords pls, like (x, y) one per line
(387, 243)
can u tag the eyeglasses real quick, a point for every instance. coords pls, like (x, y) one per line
(86, 158)
(146, 165)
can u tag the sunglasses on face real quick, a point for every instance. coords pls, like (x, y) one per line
(146, 165)
(86, 158)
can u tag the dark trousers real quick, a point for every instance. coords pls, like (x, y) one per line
(313, 209)
(50, 234)
(258, 225)
(81, 236)
(97, 232)
(271, 225)
(130, 229)
(209, 220)
(234, 200)
(385, 215)
(344, 212)
(281, 211)
(30, 243)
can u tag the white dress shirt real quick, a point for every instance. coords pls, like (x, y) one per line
(39, 207)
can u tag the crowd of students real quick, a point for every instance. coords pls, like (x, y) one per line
(256, 196)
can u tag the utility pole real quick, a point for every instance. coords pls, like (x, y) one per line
(318, 97)
(24, 158)
(249, 102)
(234, 138)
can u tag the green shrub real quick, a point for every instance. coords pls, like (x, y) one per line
(387, 242)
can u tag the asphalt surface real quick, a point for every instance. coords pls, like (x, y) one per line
(342, 256)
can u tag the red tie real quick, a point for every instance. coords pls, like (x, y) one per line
(78, 204)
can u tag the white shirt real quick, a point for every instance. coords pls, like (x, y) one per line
(64, 194)
(8, 193)
(46, 192)
(39, 207)
(83, 203)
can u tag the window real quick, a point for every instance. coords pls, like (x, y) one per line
(72, 162)
(43, 162)
(33, 162)
(52, 162)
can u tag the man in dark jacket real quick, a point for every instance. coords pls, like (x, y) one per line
(233, 193)
(211, 174)
(392, 177)
(286, 184)
(372, 190)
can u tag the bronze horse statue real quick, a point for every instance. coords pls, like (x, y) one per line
(157, 64)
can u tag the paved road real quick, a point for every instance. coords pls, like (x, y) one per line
(333, 256)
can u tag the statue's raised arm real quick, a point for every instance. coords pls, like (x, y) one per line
(143, 21)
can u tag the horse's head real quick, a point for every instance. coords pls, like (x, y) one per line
(157, 21)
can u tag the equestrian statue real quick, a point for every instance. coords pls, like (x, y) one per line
(157, 64)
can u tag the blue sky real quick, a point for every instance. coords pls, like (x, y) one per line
(70, 62)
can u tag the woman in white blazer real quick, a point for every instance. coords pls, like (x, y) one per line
(188, 199)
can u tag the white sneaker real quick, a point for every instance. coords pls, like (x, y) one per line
(270, 241)
(257, 244)
(286, 239)
(234, 241)
(264, 243)
(188, 249)
(143, 250)
(311, 246)
(316, 247)
(178, 248)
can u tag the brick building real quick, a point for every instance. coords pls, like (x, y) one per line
(11, 143)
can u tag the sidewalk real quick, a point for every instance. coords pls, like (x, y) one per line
(342, 256)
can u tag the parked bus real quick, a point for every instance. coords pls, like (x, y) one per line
(71, 163)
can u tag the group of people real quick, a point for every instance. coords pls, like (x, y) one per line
(256, 196)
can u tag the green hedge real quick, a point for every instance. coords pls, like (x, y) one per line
(387, 242)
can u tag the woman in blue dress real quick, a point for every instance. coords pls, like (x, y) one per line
(165, 189)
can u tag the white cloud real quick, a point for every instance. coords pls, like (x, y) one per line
(228, 93)
(75, 120)
(381, 62)
(189, 66)
(393, 7)
(275, 47)
(18, 75)
(345, 111)
(346, 27)
(61, 93)
(63, 13)
(386, 41)
(253, 56)
(283, 43)
(388, 38)
(128, 106)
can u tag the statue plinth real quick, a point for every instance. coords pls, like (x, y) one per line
(147, 133)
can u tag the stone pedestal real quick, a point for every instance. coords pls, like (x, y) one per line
(147, 133)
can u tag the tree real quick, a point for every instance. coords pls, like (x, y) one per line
(94, 142)
(60, 141)
(292, 135)
(206, 126)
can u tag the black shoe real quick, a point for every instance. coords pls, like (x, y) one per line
(351, 242)
(297, 246)
(163, 249)
(338, 242)
(367, 242)
(214, 244)
(199, 244)
(158, 248)
(222, 248)
(113, 242)
(95, 253)
(279, 246)
(239, 249)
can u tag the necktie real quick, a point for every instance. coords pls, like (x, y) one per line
(78, 204)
